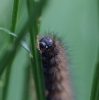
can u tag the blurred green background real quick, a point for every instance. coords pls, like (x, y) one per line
(76, 21)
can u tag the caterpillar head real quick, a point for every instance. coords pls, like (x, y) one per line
(45, 44)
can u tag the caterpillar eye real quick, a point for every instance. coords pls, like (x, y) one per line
(42, 45)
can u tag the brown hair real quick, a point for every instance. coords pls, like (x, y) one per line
(56, 73)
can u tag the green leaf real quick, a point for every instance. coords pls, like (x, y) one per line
(24, 45)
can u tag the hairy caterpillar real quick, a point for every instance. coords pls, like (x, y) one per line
(55, 69)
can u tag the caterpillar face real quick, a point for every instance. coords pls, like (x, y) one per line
(45, 44)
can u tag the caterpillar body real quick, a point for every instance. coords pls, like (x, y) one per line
(55, 69)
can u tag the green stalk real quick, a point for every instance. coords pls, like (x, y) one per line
(12, 29)
(8, 56)
(36, 62)
(95, 85)
(14, 17)
(36, 67)
(97, 89)
(26, 83)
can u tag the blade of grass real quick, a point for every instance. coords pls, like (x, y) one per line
(23, 44)
(22, 32)
(12, 28)
(12, 48)
(36, 64)
(26, 83)
(95, 85)
(8, 54)
(14, 17)
(97, 89)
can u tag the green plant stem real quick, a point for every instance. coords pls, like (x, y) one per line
(36, 67)
(97, 89)
(36, 62)
(8, 56)
(95, 85)
(9, 53)
(14, 17)
(12, 29)
(26, 83)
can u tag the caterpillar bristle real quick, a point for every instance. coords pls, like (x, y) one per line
(55, 69)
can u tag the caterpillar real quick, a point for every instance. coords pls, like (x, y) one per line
(56, 73)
